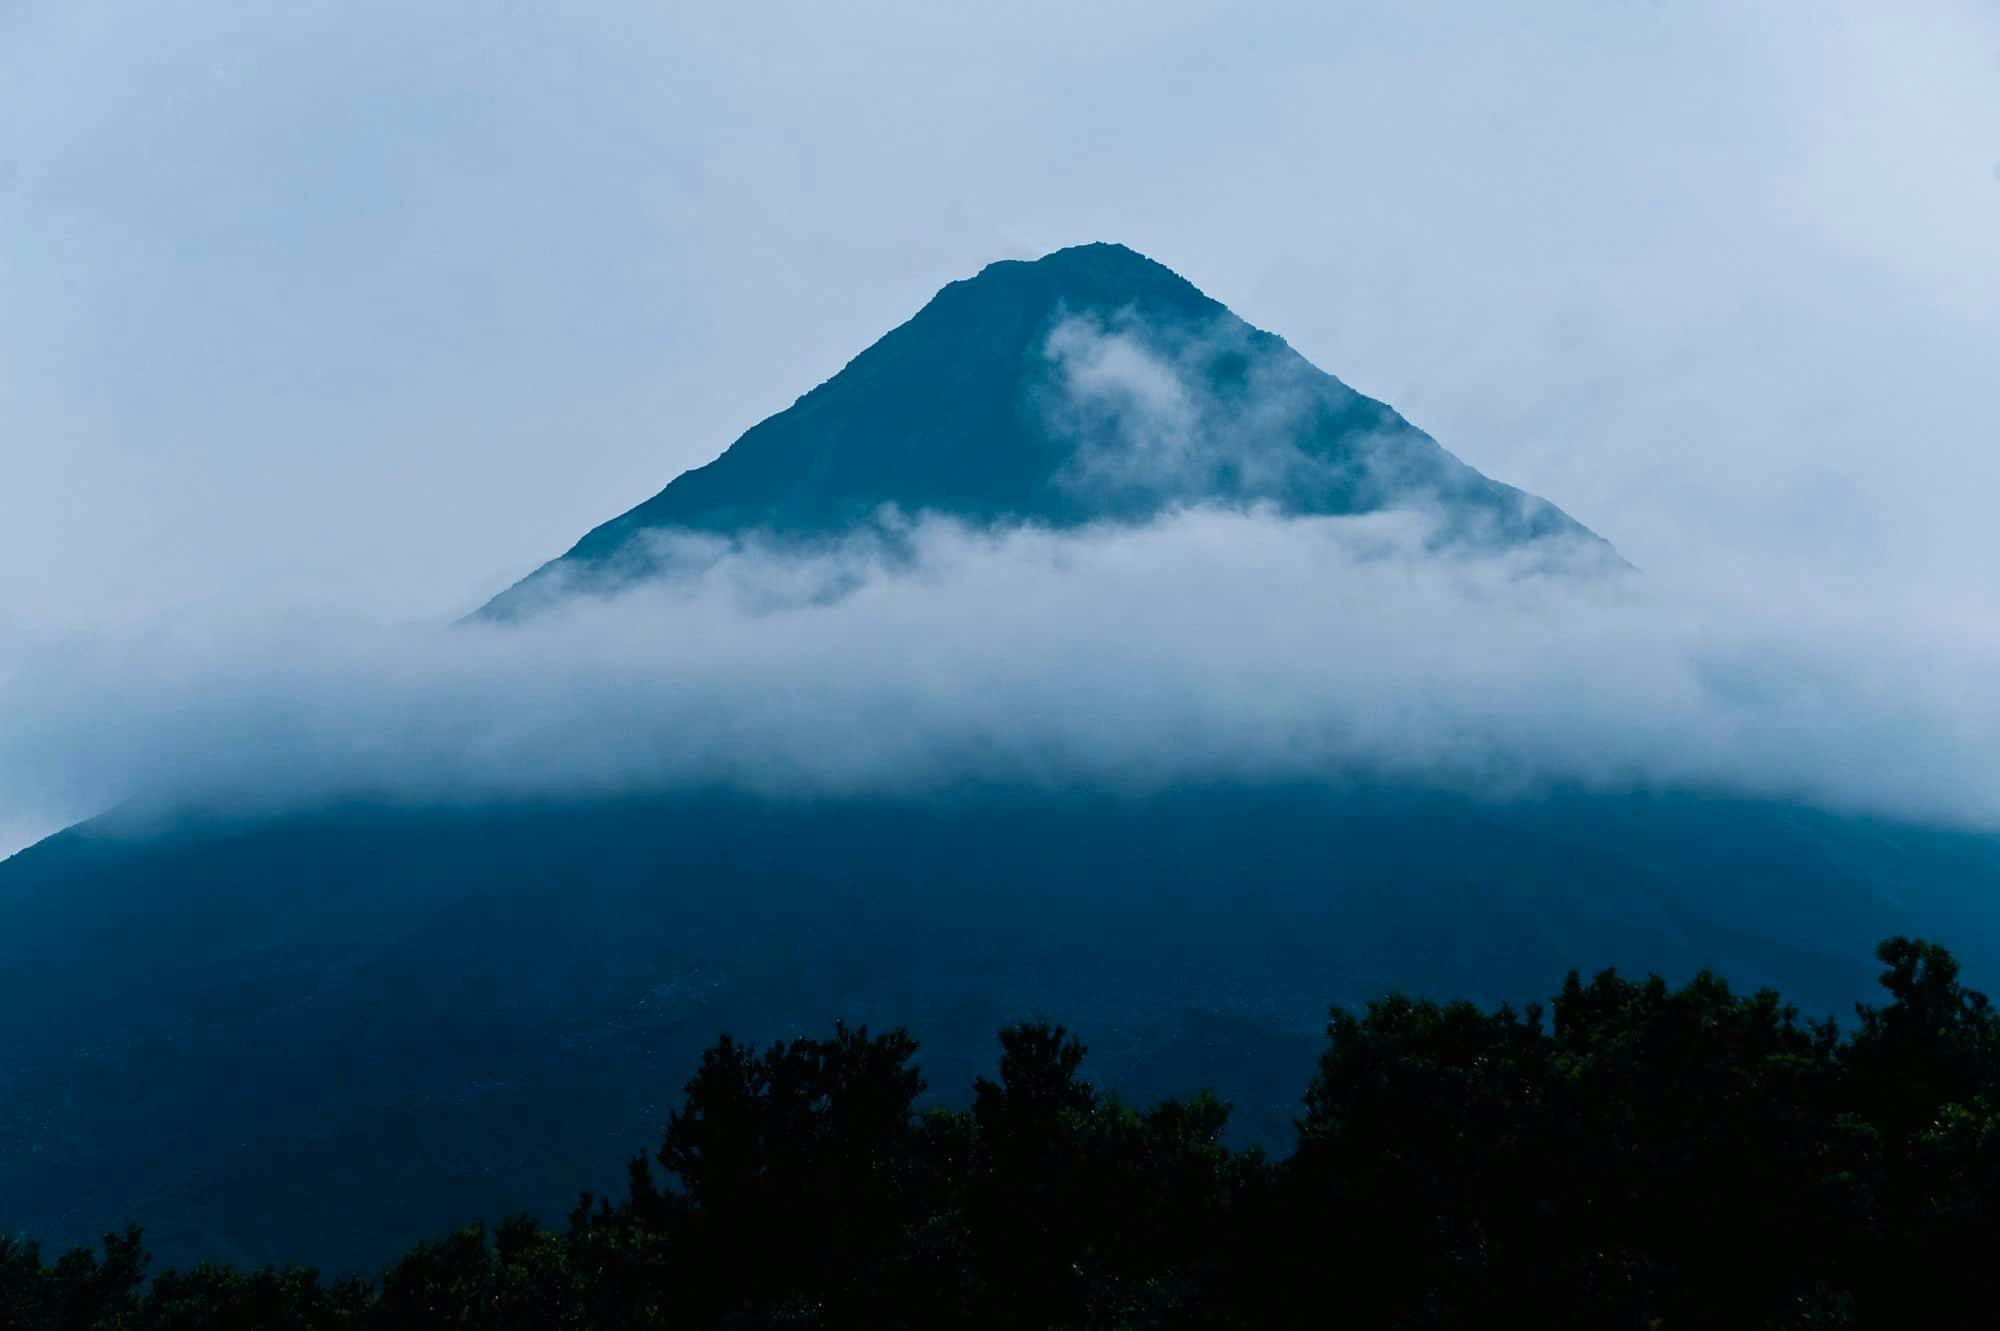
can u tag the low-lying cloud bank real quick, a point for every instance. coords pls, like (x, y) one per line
(1205, 645)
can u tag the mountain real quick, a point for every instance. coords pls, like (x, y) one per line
(321, 1037)
(1092, 384)
(321, 1034)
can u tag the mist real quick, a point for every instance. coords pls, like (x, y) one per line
(919, 655)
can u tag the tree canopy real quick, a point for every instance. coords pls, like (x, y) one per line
(1633, 1155)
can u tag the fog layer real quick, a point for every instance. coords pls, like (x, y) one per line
(919, 654)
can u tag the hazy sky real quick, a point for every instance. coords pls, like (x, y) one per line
(373, 307)
(321, 318)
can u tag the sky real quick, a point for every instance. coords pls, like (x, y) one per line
(357, 312)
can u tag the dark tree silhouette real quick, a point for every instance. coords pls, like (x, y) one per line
(1635, 1155)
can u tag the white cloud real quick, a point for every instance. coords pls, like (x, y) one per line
(1216, 644)
(1140, 407)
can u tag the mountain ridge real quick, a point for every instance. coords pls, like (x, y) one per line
(970, 409)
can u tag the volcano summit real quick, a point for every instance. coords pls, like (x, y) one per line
(1092, 384)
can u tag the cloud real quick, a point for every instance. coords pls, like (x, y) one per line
(1233, 645)
(1213, 410)
(1159, 413)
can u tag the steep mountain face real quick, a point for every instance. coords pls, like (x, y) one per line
(1091, 384)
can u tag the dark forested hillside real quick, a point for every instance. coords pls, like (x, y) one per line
(323, 1036)
(1631, 1155)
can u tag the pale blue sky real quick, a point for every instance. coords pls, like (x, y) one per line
(374, 306)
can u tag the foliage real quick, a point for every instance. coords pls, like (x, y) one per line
(1636, 1155)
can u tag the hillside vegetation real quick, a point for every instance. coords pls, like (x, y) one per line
(1633, 1155)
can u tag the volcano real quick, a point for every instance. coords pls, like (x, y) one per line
(1090, 385)
(321, 1034)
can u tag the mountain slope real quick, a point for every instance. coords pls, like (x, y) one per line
(321, 1037)
(1093, 383)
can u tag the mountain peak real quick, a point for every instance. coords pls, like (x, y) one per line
(1097, 260)
(1094, 275)
(1091, 384)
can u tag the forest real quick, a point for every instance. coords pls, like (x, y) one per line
(1633, 1154)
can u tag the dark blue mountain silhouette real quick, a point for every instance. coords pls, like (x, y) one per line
(1090, 384)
